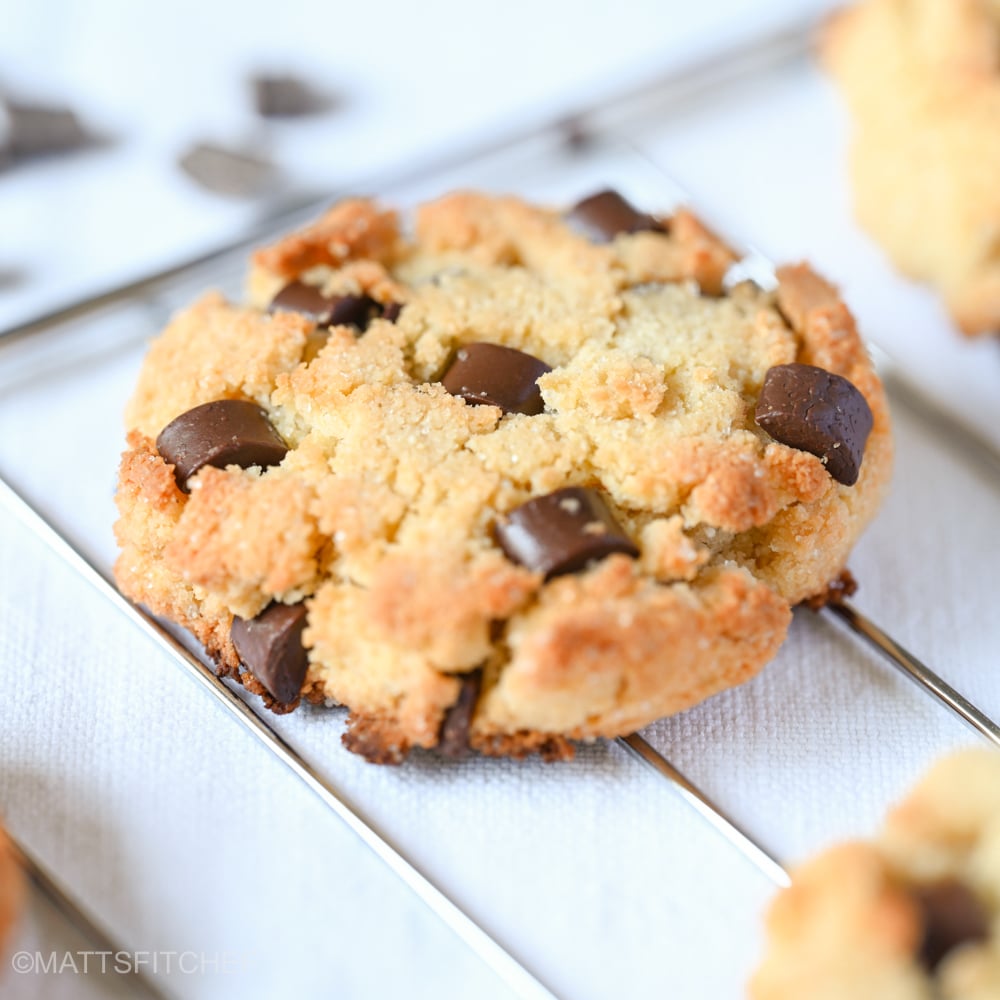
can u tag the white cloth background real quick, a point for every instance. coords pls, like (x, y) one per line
(182, 834)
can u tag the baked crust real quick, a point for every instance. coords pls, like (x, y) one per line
(922, 82)
(850, 926)
(381, 515)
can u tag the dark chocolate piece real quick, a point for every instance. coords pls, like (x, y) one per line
(604, 215)
(497, 376)
(454, 738)
(335, 310)
(39, 129)
(354, 310)
(814, 410)
(270, 647)
(391, 311)
(562, 532)
(233, 172)
(11, 278)
(576, 134)
(952, 916)
(225, 432)
(299, 297)
(286, 96)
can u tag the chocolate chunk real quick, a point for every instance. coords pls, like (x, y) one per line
(285, 96)
(604, 215)
(11, 278)
(562, 532)
(270, 647)
(225, 432)
(354, 310)
(233, 172)
(334, 310)
(816, 411)
(39, 129)
(497, 376)
(300, 297)
(454, 738)
(576, 134)
(952, 916)
(391, 311)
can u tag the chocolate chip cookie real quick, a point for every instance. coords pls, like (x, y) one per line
(922, 82)
(501, 476)
(910, 916)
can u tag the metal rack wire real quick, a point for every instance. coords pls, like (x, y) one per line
(512, 970)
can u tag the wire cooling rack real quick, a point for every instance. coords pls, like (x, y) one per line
(79, 333)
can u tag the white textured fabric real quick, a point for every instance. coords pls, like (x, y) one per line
(183, 834)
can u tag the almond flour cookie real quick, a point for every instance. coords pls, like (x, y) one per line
(515, 479)
(910, 916)
(12, 890)
(922, 82)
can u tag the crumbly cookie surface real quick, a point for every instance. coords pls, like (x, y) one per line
(912, 915)
(382, 516)
(922, 82)
(12, 890)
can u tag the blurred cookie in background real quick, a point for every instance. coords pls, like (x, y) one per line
(922, 84)
(911, 915)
